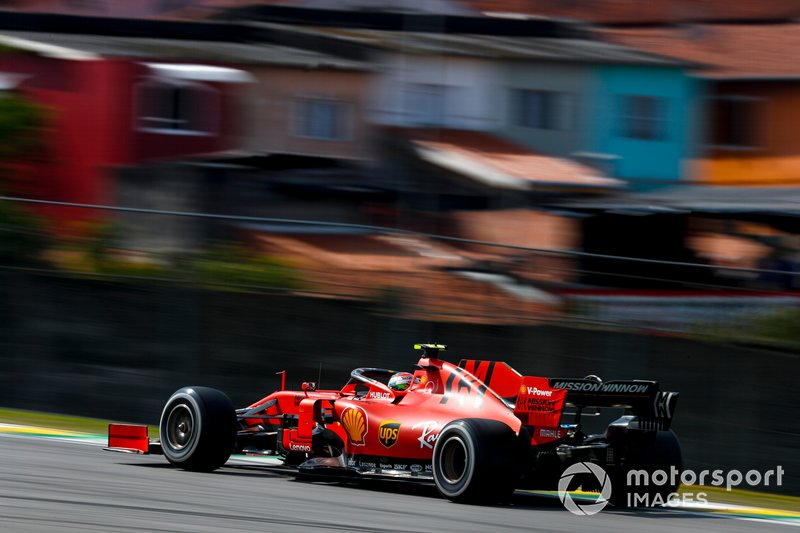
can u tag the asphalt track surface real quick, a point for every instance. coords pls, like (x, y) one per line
(50, 485)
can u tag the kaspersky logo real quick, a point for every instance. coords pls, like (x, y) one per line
(388, 432)
(354, 420)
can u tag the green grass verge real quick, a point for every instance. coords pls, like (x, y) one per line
(752, 498)
(89, 426)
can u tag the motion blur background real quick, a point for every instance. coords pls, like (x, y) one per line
(211, 191)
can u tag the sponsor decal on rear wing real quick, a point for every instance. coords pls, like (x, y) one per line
(644, 399)
(539, 405)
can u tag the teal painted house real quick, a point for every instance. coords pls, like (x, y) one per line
(636, 121)
(644, 119)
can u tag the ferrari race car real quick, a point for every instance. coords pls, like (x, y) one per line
(477, 430)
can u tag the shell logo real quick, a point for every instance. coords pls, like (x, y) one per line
(354, 420)
(522, 389)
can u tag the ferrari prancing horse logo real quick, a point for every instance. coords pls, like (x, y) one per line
(388, 432)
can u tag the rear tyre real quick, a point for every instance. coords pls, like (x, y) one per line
(474, 461)
(198, 429)
(661, 453)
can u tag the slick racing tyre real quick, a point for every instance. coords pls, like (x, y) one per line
(662, 452)
(474, 461)
(198, 429)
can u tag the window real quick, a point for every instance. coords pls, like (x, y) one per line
(322, 119)
(733, 122)
(424, 103)
(177, 108)
(544, 110)
(643, 117)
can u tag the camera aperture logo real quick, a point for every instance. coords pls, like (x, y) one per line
(583, 469)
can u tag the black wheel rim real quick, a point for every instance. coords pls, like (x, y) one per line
(453, 460)
(180, 427)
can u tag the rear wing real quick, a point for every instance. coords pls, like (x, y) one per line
(652, 407)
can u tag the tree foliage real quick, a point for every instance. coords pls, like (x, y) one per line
(22, 123)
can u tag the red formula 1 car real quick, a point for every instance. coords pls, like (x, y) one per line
(478, 429)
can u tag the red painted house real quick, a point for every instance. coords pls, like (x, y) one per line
(110, 104)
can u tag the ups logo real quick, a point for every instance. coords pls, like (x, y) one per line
(388, 432)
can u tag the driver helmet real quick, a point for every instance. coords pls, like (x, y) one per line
(401, 381)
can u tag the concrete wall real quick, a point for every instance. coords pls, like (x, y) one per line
(118, 350)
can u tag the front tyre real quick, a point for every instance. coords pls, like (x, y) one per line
(474, 461)
(198, 429)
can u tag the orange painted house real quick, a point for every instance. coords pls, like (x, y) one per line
(752, 104)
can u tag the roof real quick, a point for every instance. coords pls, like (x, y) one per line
(138, 9)
(200, 9)
(698, 199)
(441, 7)
(730, 51)
(84, 46)
(636, 11)
(561, 49)
(208, 9)
(499, 163)
(312, 37)
(597, 11)
(433, 279)
(389, 17)
(516, 227)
